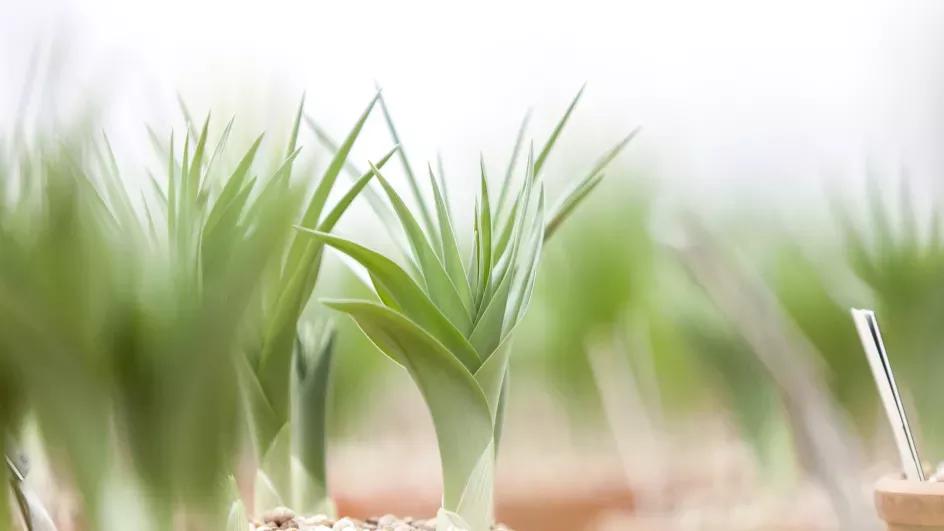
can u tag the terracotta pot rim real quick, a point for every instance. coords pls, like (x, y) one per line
(906, 504)
(895, 485)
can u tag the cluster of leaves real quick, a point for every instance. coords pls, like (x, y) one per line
(132, 328)
(448, 321)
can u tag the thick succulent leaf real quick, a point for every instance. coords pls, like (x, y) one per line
(491, 375)
(549, 145)
(450, 248)
(408, 295)
(500, 414)
(477, 504)
(440, 287)
(451, 521)
(458, 407)
(320, 197)
(411, 177)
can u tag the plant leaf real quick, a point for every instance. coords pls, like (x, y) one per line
(320, 197)
(264, 422)
(485, 229)
(441, 289)
(276, 466)
(458, 407)
(233, 185)
(549, 145)
(312, 379)
(524, 284)
(237, 520)
(509, 171)
(450, 247)
(477, 503)
(408, 295)
(267, 495)
(578, 191)
(411, 177)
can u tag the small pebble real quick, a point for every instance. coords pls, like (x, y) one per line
(343, 523)
(278, 516)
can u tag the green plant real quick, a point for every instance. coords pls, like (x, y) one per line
(293, 473)
(450, 323)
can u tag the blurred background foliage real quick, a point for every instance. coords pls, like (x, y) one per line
(609, 273)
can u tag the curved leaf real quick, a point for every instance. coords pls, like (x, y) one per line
(320, 197)
(398, 285)
(459, 408)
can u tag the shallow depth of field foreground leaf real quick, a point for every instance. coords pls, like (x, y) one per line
(450, 324)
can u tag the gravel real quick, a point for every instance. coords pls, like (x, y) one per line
(282, 518)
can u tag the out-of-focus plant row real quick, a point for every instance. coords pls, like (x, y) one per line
(870, 250)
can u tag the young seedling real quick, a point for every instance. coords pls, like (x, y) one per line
(450, 324)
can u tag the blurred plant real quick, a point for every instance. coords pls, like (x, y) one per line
(592, 279)
(903, 265)
(292, 465)
(449, 325)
